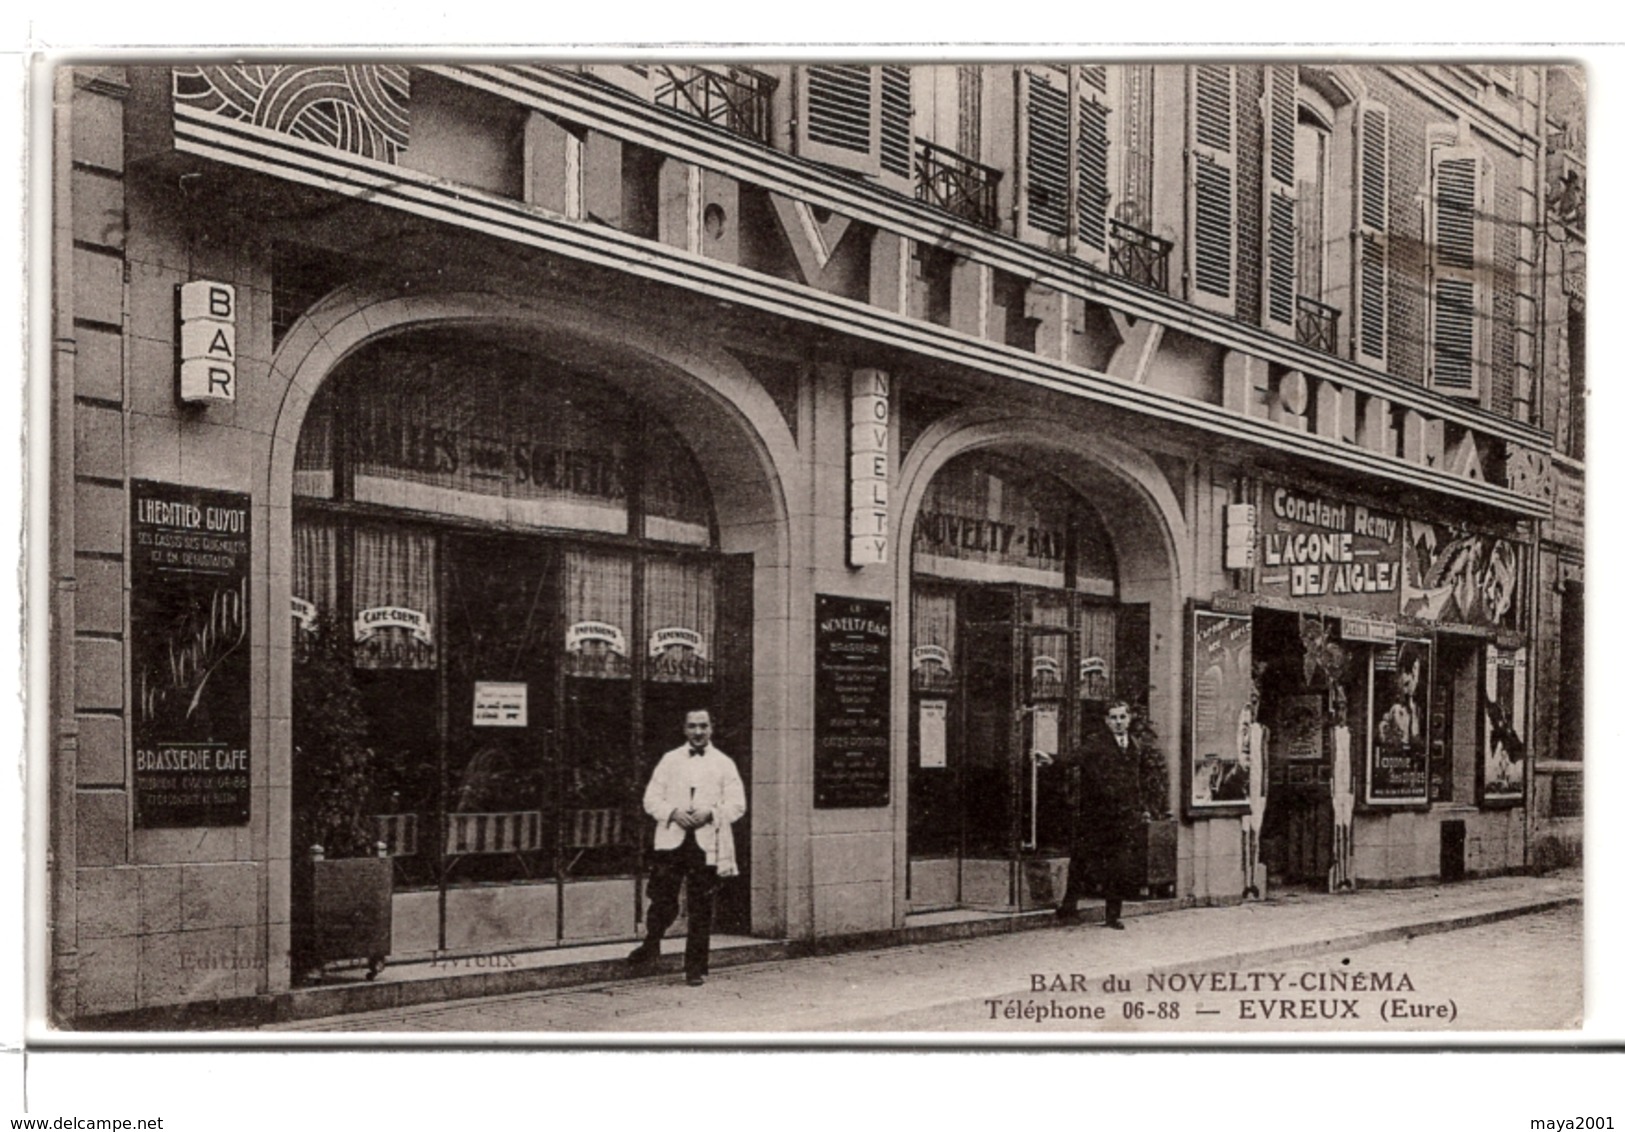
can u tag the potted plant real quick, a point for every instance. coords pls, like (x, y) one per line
(1158, 849)
(342, 879)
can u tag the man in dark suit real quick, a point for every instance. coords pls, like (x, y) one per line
(1122, 786)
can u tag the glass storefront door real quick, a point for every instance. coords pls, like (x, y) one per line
(516, 692)
(1296, 840)
(1028, 670)
(497, 822)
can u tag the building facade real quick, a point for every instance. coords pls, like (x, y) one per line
(1559, 710)
(902, 416)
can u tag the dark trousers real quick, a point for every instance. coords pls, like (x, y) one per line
(668, 870)
(1075, 884)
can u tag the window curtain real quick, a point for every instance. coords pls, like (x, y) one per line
(397, 620)
(1098, 645)
(598, 615)
(315, 572)
(1049, 651)
(933, 655)
(1137, 124)
(679, 601)
(313, 456)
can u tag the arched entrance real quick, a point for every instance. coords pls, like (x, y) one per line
(1042, 585)
(507, 506)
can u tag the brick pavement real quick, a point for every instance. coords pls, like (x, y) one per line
(875, 989)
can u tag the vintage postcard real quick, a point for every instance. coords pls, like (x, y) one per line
(1013, 551)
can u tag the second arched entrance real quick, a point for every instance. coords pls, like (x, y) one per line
(1036, 581)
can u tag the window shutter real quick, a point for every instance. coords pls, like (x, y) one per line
(1093, 187)
(1281, 199)
(1371, 229)
(839, 109)
(858, 118)
(1213, 186)
(1454, 330)
(896, 123)
(1048, 168)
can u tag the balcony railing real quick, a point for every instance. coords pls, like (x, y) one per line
(956, 184)
(1317, 325)
(1140, 257)
(738, 99)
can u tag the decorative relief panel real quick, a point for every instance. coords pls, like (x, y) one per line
(362, 109)
(1529, 472)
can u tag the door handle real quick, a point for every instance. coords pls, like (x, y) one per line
(1032, 805)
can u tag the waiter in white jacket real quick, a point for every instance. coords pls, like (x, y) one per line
(695, 795)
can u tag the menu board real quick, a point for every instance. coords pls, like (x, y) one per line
(1397, 753)
(189, 655)
(1221, 684)
(852, 704)
(501, 704)
(933, 734)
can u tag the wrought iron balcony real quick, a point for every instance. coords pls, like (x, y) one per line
(1317, 325)
(736, 98)
(956, 184)
(1140, 257)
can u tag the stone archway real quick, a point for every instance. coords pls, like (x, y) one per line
(737, 433)
(1147, 527)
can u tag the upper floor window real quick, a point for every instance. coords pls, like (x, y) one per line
(948, 170)
(1086, 172)
(1315, 318)
(1327, 285)
(1312, 146)
(859, 118)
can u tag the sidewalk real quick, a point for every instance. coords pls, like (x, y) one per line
(760, 988)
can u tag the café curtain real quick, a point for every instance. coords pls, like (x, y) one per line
(315, 569)
(934, 630)
(598, 615)
(395, 571)
(679, 599)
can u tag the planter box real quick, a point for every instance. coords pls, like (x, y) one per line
(343, 910)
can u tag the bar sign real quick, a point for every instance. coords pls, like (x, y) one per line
(208, 342)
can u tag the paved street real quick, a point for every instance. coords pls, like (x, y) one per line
(1292, 964)
(1519, 974)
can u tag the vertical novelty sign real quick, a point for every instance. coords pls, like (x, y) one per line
(189, 655)
(868, 525)
(208, 342)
